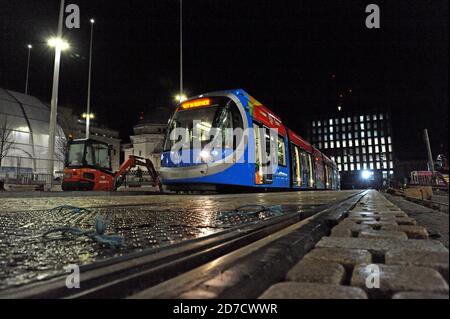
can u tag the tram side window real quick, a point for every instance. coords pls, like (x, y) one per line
(281, 146)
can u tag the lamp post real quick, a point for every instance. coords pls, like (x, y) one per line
(181, 50)
(59, 44)
(88, 106)
(29, 46)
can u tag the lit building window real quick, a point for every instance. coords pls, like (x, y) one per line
(375, 133)
(369, 134)
(365, 165)
(320, 144)
(345, 167)
(385, 164)
(314, 123)
(326, 144)
(378, 165)
(367, 117)
(318, 123)
(382, 140)
(390, 148)
(350, 143)
(340, 167)
(375, 141)
(339, 159)
(349, 135)
(377, 149)
(349, 119)
(356, 142)
(358, 166)
(338, 144)
(371, 165)
(331, 144)
(331, 129)
(391, 164)
(330, 121)
(362, 134)
(331, 137)
(370, 150)
(361, 118)
(369, 141)
(381, 116)
(389, 140)
(336, 121)
(362, 126)
(374, 117)
(344, 144)
(342, 120)
(352, 167)
(383, 148)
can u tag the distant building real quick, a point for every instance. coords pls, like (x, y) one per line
(148, 137)
(24, 125)
(75, 127)
(360, 142)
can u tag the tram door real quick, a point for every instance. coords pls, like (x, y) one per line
(263, 173)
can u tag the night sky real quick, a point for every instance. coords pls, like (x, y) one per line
(282, 52)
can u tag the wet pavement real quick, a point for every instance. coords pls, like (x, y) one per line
(144, 222)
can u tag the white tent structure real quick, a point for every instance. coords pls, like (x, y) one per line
(24, 122)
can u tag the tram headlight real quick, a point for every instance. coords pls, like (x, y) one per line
(205, 156)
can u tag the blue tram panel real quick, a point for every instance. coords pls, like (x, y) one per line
(201, 153)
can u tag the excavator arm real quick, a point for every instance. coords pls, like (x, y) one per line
(134, 161)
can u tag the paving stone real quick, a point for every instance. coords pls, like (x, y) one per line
(435, 260)
(392, 234)
(302, 290)
(379, 247)
(318, 271)
(341, 232)
(395, 279)
(378, 224)
(346, 257)
(418, 295)
(413, 231)
(400, 220)
(359, 220)
(349, 225)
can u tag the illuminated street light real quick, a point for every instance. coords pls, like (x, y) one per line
(91, 115)
(180, 98)
(58, 43)
(366, 174)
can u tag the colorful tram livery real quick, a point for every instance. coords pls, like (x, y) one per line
(300, 165)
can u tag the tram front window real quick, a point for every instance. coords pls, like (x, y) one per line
(221, 114)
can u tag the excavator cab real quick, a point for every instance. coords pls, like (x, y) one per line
(88, 166)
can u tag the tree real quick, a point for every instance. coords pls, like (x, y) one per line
(6, 137)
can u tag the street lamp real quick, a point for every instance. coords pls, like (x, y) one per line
(59, 44)
(181, 95)
(29, 46)
(180, 98)
(88, 106)
(85, 116)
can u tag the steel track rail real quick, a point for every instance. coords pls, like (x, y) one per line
(126, 275)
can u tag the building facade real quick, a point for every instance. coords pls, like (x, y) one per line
(75, 127)
(361, 143)
(149, 135)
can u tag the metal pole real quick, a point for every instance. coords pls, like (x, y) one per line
(54, 102)
(88, 108)
(28, 68)
(181, 48)
(430, 155)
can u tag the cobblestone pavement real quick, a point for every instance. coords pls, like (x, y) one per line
(377, 251)
(144, 222)
(436, 222)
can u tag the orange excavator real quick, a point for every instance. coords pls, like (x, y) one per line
(88, 167)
